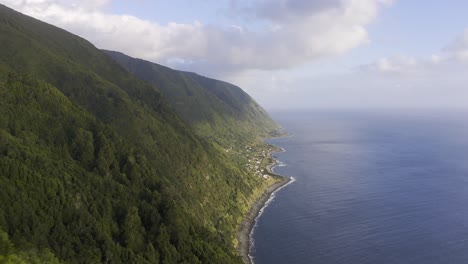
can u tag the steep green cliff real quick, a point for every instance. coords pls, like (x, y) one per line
(218, 110)
(96, 166)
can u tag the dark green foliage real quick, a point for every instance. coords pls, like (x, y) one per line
(9, 255)
(95, 166)
(69, 183)
(218, 110)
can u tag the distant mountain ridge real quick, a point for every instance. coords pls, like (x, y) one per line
(217, 109)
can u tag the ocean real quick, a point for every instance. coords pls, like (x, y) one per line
(382, 187)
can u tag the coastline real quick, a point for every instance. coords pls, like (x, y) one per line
(247, 225)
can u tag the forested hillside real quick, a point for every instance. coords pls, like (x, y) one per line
(95, 166)
(220, 111)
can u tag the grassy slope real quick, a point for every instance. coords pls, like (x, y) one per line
(95, 164)
(218, 110)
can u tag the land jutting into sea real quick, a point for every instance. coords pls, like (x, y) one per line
(246, 227)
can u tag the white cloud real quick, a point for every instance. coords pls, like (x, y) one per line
(398, 65)
(453, 56)
(297, 32)
(437, 81)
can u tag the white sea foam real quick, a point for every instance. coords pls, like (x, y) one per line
(252, 232)
(270, 199)
(281, 164)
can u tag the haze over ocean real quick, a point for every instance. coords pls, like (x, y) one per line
(388, 187)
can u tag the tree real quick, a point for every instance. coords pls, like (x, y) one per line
(82, 148)
(133, 231)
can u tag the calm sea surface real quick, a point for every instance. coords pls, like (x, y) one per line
(370, 188)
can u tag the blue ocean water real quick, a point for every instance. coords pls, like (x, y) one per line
(389, 187)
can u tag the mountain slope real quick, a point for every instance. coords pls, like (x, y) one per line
(97, 167)
(218, 110)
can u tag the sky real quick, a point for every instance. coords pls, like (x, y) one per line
(290, 54)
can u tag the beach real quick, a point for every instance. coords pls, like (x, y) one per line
(247, 225)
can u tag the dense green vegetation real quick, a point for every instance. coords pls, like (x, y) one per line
(218, 110)
(95, 166)
(10, 255)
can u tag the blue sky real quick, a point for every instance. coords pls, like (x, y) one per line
(417, 27)
(182, 11)
(290, 54)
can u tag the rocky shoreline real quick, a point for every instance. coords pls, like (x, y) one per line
(247, 225)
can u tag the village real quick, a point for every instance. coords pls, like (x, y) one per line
(257, 158)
